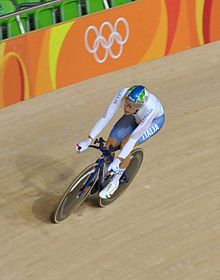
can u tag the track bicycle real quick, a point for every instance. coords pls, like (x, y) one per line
(93, 179)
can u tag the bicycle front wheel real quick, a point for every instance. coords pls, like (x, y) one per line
(74, 195)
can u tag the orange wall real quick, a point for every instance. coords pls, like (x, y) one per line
(48, 59)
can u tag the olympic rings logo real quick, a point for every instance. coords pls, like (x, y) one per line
(107, 43)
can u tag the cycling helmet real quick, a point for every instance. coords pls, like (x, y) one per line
(136, 96)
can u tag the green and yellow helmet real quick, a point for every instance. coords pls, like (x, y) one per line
(136, 96)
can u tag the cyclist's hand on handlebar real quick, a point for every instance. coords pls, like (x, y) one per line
(83, 146)
(114, 166)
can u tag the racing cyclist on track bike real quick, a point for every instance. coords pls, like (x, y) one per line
(143, 117)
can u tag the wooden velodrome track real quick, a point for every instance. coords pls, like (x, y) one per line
(165, 226)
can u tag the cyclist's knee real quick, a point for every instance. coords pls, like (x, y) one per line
(113, 142)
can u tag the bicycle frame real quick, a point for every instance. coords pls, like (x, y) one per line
(89, 180)
(93, 179)
(106, 155)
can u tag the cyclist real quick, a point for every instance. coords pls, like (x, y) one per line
(143, 117)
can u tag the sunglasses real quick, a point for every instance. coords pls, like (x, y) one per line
(128, 104)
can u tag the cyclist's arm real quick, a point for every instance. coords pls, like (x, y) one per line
(110, 112)
(136, 134)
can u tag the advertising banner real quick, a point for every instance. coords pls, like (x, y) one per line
(48, 59)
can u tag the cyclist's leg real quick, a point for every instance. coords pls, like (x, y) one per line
(121, 130)
(112, 141)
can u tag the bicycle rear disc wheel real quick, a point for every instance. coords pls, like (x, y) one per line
(131, 171)
(73, 198)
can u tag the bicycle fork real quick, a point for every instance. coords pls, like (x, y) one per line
(87, 183)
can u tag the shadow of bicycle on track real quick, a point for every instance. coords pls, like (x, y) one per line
(44, 179)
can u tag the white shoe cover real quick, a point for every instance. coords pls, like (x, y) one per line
(108, 191)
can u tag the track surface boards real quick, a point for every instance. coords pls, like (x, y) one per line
(165, 226)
